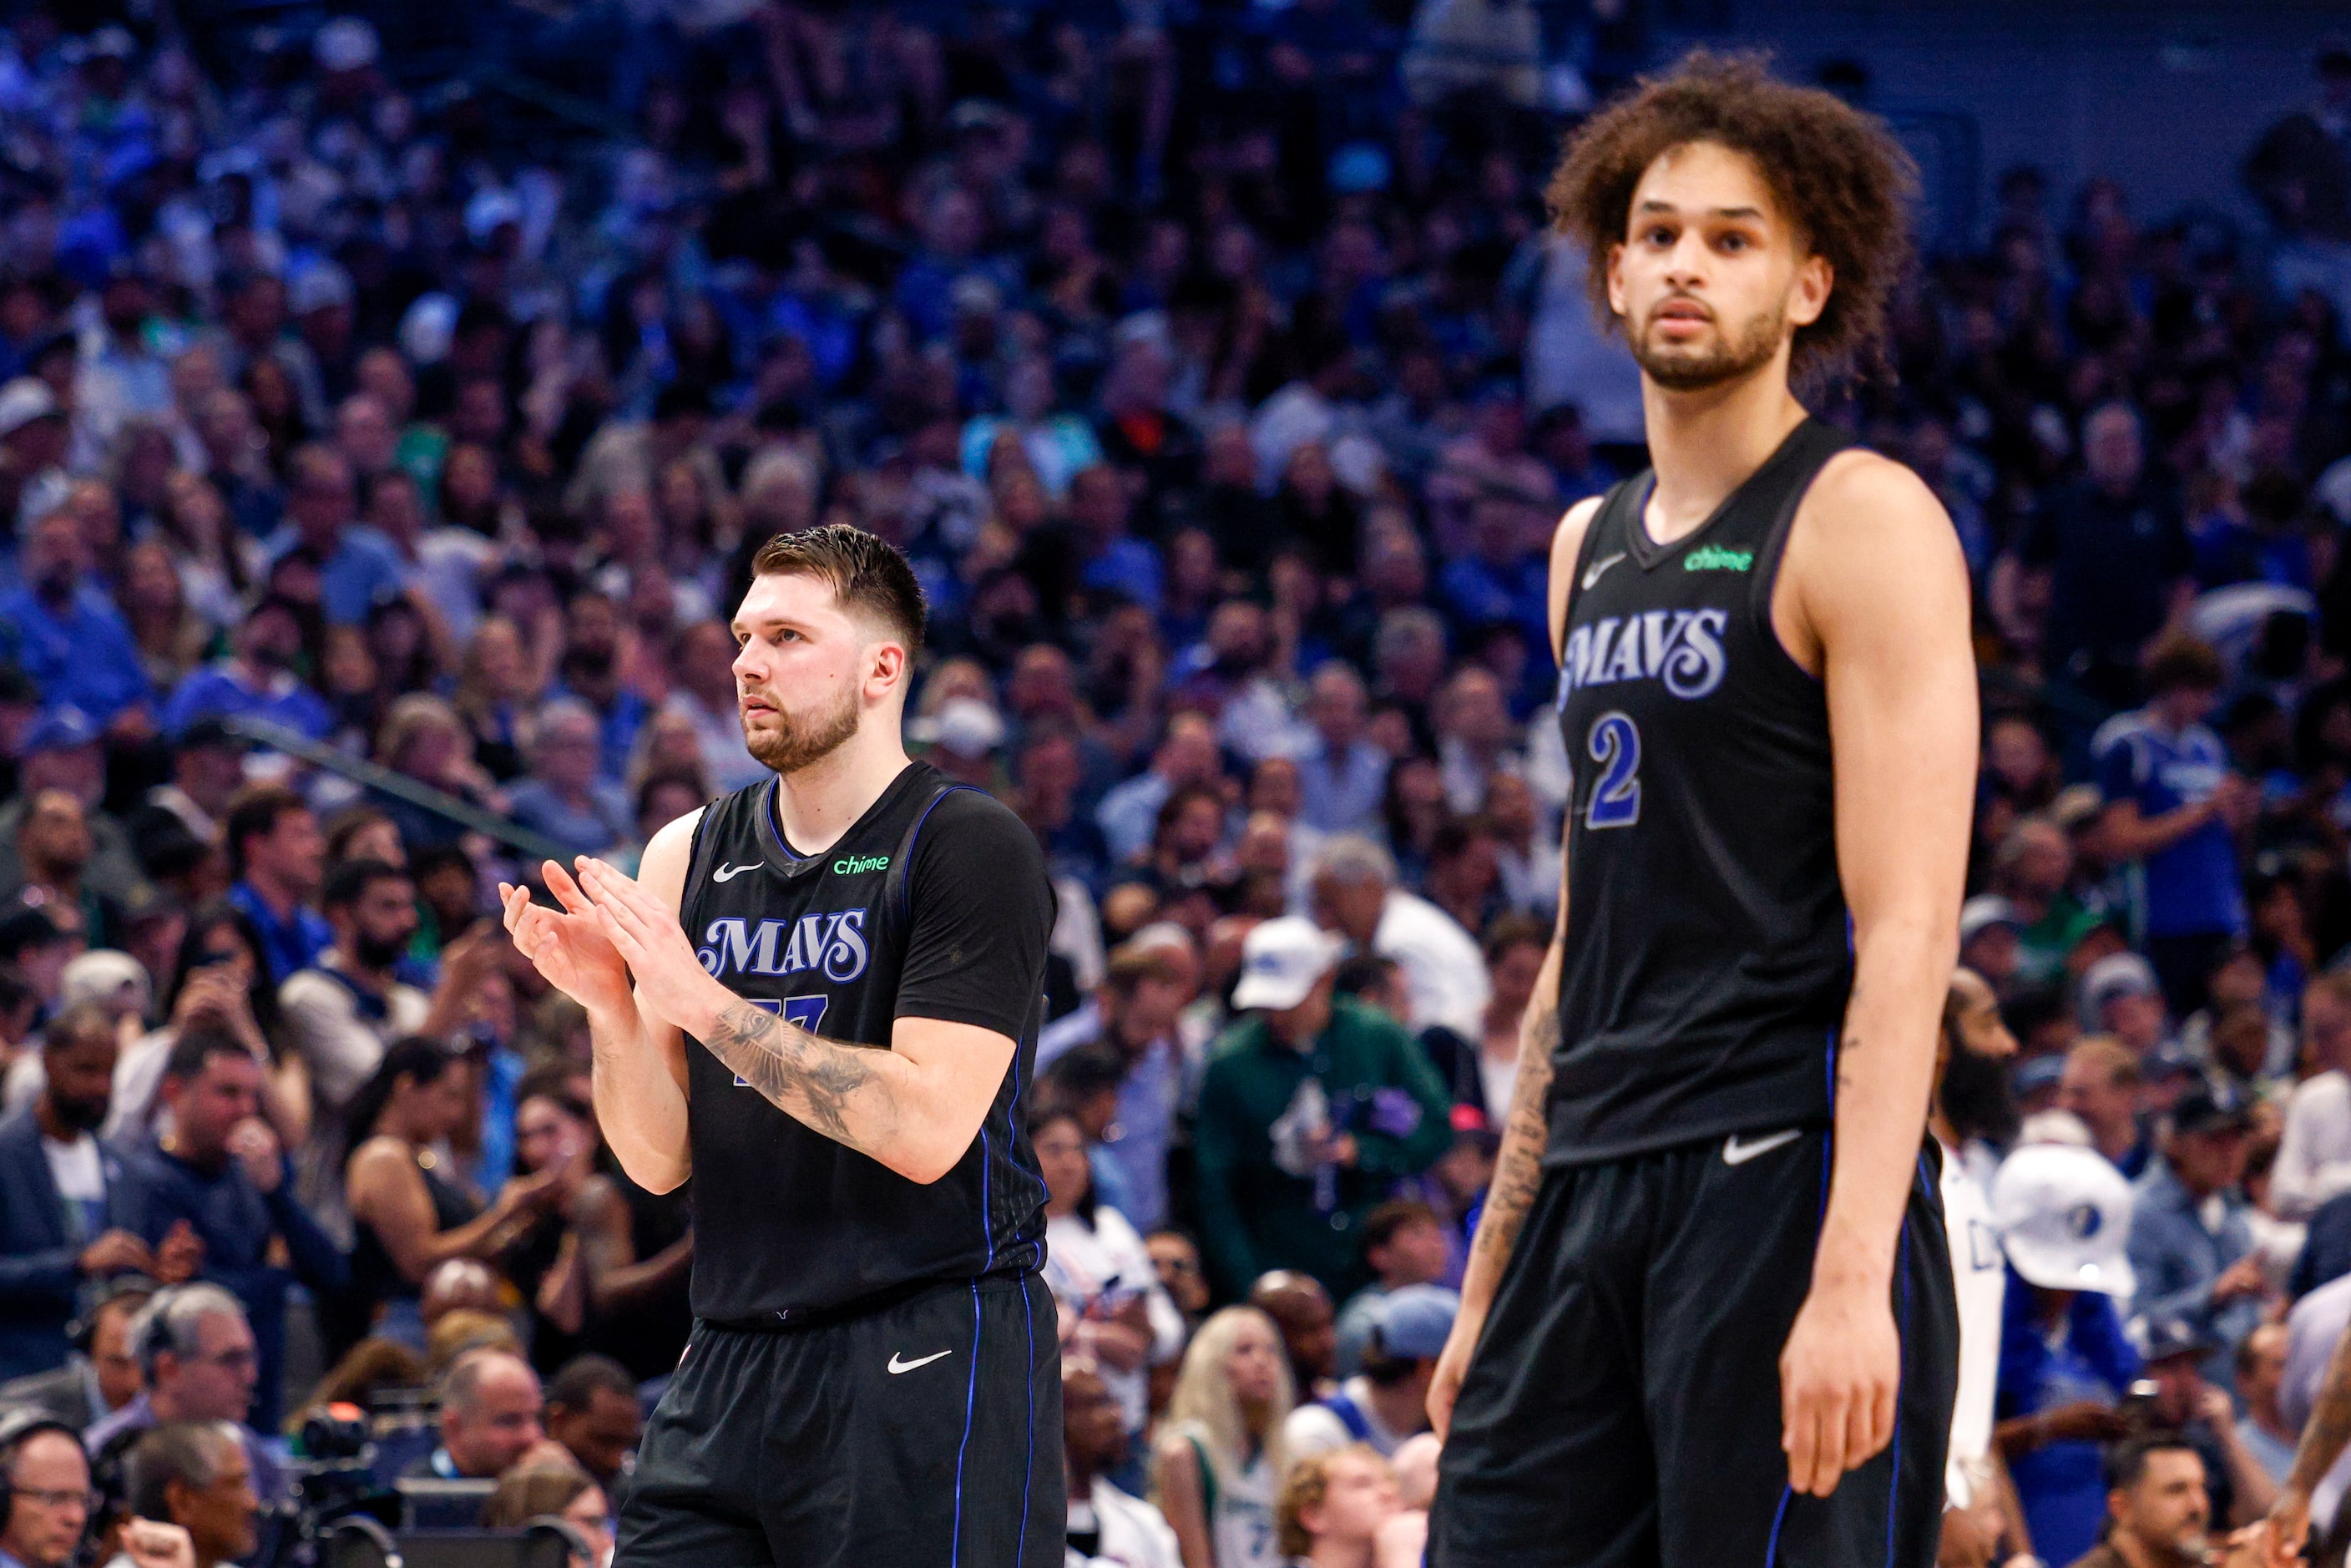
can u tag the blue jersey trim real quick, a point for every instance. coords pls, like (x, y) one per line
(1029, 1465)
(970, 1400)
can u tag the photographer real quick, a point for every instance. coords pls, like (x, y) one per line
(193, 1474)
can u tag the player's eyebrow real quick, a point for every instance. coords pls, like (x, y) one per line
(770, 625)
(1654, 205)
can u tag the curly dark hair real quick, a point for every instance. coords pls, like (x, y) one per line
(1837, 172)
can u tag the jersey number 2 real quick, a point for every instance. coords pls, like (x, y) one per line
(803, 1011)
(1615, 744)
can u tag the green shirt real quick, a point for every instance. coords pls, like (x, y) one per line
(1255, 1216)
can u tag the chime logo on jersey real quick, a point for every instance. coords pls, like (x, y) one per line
(834, 944)
(1682, 648)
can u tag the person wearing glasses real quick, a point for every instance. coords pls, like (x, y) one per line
(197, 1362)
(49, 1493)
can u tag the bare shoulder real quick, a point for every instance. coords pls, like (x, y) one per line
(1566, 545)
(1866, 504)
(663, 868)
(1567, 539)
(1870, 544)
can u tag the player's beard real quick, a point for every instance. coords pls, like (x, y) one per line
(1728, 361)
(796, 742)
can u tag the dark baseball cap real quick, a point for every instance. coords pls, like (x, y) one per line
(2169, 1338)
(2213, 1107)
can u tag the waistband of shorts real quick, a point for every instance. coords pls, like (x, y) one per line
(800, 1320)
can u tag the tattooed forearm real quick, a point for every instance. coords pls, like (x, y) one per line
(809, 1079)
(1517, 1169)
(2329, 1427)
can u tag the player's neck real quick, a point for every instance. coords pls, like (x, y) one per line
(823, 800)
(1704, 445)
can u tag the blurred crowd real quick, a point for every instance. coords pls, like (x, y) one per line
(378, 469)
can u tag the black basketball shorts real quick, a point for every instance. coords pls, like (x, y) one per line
(925, 1433)
(1623, 1407)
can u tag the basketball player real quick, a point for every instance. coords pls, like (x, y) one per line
(1708, 1316)
(837, 979)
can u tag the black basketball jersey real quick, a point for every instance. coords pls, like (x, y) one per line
(1707, 958)
(934, 904)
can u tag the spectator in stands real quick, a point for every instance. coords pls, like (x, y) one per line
(1354, 894)
(2192, 1247)
(1343, 775)
(2101, 1085)
(1187, 755)
(2173, 802)
(196, 1474)
(1099, 1273)
(1387, 1401)
(277, 858)
(2313, 1163)
(197, 1363)
(489, 1420)
(1309, 1109)
(1107, 1526)
(221, 1171)
(2156, 1511)
(2062, 1215)
(2263, 1430)
(1218, 1464)
(2033, 868)
(49, 1493)
(2205, 1417)
(257, 680)
(342, 1010)
(1146, 986)
(1301, 1309)
(593, 1410)
(1335, 1507)
(2122, 999)
(71, 1210)
(100, 1374)
(70, 639)
(564, 798)
(1403, 1244)
(407, 1214)
(1482, 1070)
(538, 1489)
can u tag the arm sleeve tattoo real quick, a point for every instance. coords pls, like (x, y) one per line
(809, 1079)
(1518, 1172)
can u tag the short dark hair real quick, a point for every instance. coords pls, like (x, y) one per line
(1837, 173)
(253, 814)
(198, 1044)
(1359, 972)
(2127, 1460)
(77, 1020)
(1083, 1073)
(2179, 662)
(187, 1452)
(866, 573)
(1380, 1225)
(349, 883)
(575, 1384)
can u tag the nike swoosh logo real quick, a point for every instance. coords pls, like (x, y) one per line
(1734, 1153)
(1592, 573)
(897, 1366)
(726, 872)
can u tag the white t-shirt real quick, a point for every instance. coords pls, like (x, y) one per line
(1314, 1429)
(81, 1181)
(1241, 1527)
(1980, 1278)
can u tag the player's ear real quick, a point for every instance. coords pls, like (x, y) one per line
(887, 665)
(1808, 292)
(1616, 281)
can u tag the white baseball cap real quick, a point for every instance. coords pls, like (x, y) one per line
(2064, 1215)
(1280, 961)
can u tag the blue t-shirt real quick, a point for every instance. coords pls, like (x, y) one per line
(2192, 887)
(84, 658)
(2062, 1485)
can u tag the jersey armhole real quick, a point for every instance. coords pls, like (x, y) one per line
(696, 870)
(1610, 499)
(1766, 580)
